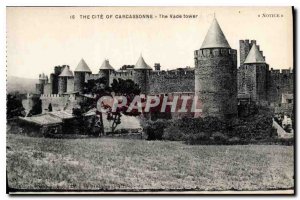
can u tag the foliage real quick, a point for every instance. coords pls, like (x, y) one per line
(125, 87)
(154, 129)
(100, 88)
(14, 107)
(173, 134)
(211, 130)
(36, 108)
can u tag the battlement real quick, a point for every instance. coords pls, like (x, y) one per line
(248, 41)
(281, 71)
(122, 73)
(211, 53)
(30, 95)
(91, 76)
(245, 46)
(171, 94)
(51, 96)
(173, 73)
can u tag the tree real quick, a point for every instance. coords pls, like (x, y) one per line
(98, 88)
(14, 107)
(36, 108)
(129, 90)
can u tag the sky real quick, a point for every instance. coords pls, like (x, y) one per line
(39, 38)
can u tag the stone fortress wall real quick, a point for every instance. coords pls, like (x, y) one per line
(262, 83)
(216, 79)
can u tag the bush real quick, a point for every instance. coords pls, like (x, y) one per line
(219, 138)
(199, 138)
(211, 130)
(154, 129)
(172, 133)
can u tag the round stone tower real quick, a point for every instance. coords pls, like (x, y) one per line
(141, 75)
(63, 79)
(80, 72)
(216, 75)
(105, 70)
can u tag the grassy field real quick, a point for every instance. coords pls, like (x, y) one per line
(119, 164)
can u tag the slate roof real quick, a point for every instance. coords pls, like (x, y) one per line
(254, 56)
(42, 119)
(66, 72)
(106, 65)
(82, 67)
(141, 64)
(215, 37)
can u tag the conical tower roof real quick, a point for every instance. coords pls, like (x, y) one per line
(141, 64)
(215, 37)
(66, 72)
(106, 65)
(254, 56)
(82, 67)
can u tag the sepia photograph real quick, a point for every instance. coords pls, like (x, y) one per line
(150, 100)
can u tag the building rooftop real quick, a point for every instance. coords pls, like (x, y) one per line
(106, 65)
(82, 67)
(42, 119)
(66, 72)
(215, 37)
(254, 56)
(63, 114)
(141, 64)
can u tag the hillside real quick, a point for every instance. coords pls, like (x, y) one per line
(21, 85)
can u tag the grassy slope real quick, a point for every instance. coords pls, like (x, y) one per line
(34, 163)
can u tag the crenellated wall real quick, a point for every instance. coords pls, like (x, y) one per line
(128, 74)
(245, 47)
(59, 102)
(180, 80)
(91, 77)
(280, 82)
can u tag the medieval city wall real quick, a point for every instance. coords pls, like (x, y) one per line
(48, 88)
(58, 102)
(172, 81)
(280, 81)
(122, 75)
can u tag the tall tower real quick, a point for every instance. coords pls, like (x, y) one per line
(40, 86)
(63, 79)
(54, 78)
(255, 75)
(216, 75)
(141, 75)
(80, 72)
(105, 70)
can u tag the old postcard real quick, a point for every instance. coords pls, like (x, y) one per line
(150, 100)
